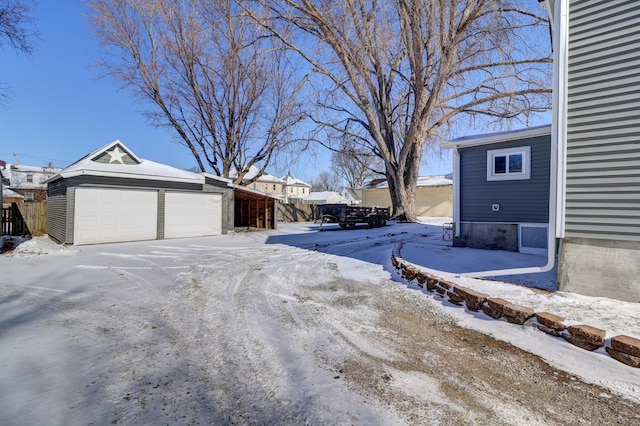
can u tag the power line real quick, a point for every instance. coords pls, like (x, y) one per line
(19, 154)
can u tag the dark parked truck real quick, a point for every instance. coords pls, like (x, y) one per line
(345, 215)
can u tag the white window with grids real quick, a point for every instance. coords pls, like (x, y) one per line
(509, 163)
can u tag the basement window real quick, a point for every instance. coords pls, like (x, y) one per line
(533, 238)
(509, 164)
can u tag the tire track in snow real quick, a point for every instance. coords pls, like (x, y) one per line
(255, 351)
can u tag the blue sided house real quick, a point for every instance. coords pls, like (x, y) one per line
(501, 190)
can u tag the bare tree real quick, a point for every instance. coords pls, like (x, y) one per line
(16, 25)
(326, 181)
(16, 29)
(217, 78)
(355, 165)
(399, 72)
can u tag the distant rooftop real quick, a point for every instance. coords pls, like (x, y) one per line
(423, 181)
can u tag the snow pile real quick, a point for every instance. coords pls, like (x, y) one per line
(38, 246)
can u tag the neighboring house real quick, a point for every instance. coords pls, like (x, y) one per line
(597, 134)
(353, 196)
(9, 197)
(295, 190)
(501, 190)
(264, 183)
(434, 197)
(112, 195)
(29, 181)
(325, 197)
(2, 166)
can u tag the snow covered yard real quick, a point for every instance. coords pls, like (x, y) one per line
(291, 326)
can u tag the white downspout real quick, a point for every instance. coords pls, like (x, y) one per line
(558, 123)
(456, 191)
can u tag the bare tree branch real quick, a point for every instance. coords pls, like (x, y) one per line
(397, 72)
(16, 25)
(225, 85)
(17, 30)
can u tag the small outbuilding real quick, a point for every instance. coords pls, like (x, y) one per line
(112, 195)
(433, 195)
(501, 190)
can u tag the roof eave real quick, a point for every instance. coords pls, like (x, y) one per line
(492, 138)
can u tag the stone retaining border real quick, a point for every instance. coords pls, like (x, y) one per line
(625, 349)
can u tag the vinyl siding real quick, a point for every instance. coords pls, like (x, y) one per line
(57, 211)
(603, 122)
(116, 182)
(521, 201)
(61, 193)
(161, 214)
(227, 205)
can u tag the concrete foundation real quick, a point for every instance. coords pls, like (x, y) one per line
(600, 268)
(488, 235)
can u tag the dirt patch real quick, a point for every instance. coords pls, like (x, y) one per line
(472, 377)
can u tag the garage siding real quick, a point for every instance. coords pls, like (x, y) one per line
(57, 211)
(161, 214)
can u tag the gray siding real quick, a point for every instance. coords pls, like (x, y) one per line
(228, 201)
(71, 214)
(603, 123)
(61, 194)
(57, 210)
(521, 201)
(111, 182)
(161, 214)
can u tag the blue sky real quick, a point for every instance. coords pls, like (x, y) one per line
(60, 109)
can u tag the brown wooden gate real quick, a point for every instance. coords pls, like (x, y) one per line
(12, 221)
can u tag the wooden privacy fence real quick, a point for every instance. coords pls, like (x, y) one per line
(25, 218)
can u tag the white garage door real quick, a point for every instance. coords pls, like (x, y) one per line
(192, 214)
(114, 215)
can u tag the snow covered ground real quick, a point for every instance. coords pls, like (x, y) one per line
(107, 325)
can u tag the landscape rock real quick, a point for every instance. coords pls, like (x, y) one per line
(550, 321)
(587, 333)
(455, 298)
(515, 314)
(439, 289)
(630, 360)
(493, 313)
(473, 299)
(498, 304)
(432, 283)
(583, 344)
(626, 344)
(446, 284)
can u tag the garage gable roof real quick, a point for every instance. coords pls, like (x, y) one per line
(115, 152)
(117, 160)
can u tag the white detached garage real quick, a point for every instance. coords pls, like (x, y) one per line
(111, 195)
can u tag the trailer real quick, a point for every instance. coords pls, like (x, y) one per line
(350, 216)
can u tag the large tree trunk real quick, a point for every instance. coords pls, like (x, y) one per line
(403, 199)
(402, 180)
